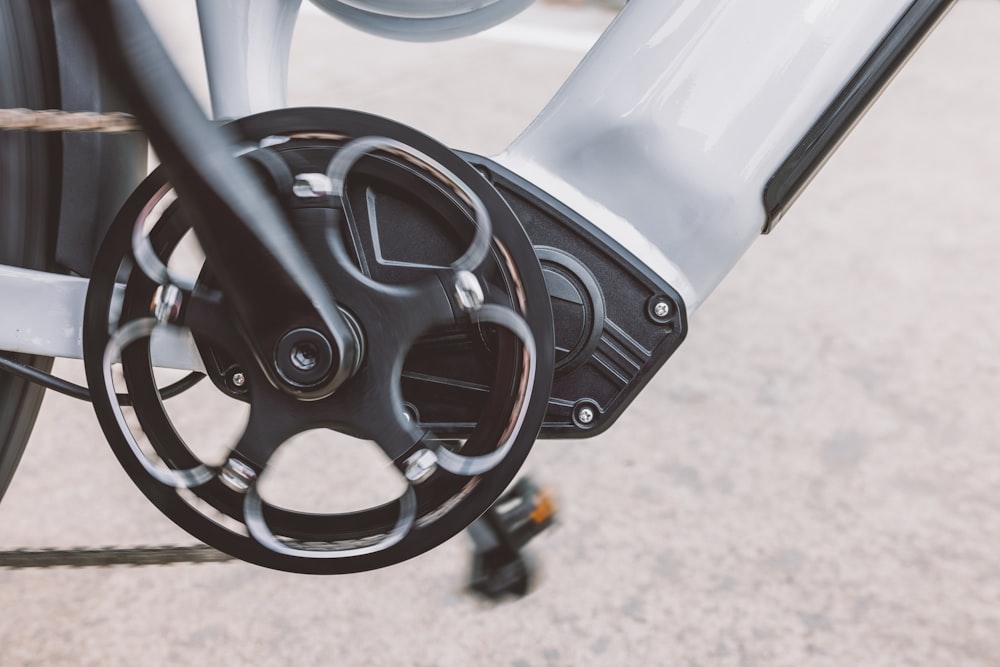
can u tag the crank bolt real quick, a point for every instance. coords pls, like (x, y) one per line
(420, 466)
(304, 357)
(468, 291)
(237, 475)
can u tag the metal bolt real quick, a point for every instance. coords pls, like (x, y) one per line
(310, 186)
(661, 309)
(304, 356)
(237, 475)
(468, 291)
(239, 379)
(166, 304)
(585, 415)
(420, 466)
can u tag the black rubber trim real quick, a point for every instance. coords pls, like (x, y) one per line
(850, 105)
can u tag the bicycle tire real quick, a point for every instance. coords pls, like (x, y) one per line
(30, 178)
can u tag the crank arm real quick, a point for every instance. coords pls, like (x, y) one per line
(255, 256)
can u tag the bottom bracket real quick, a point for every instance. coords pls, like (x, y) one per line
(304, 358)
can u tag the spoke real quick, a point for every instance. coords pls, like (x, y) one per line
(429, 305)
(121, 339)
(475, 465)
(273, 420)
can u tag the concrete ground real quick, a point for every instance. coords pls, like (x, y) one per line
(813, 479)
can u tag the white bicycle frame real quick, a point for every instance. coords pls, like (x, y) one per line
(686, 131)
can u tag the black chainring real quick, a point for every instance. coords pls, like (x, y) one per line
(431, 223)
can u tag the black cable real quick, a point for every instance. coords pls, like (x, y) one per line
(68, 388)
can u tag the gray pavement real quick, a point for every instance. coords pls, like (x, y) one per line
(813, 479)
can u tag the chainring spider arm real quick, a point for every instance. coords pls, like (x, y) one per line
(493, 290)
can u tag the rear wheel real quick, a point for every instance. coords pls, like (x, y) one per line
(29, 181)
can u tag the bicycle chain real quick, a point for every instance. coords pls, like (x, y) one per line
(19, 559)
(53, 120)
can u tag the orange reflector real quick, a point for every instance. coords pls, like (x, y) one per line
(545, 506)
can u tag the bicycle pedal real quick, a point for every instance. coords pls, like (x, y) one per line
(499, 567)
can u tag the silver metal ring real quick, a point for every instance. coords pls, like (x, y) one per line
(121, 339)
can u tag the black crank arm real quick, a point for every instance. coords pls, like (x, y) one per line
(253, 252)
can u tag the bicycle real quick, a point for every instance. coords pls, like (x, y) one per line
(611, 351)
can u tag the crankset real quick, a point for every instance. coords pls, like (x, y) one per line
(427, 264)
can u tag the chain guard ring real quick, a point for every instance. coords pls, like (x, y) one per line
(325, 543)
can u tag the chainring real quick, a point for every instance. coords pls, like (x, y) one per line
(406, 208)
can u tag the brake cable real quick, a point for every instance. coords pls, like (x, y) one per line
(58, 384)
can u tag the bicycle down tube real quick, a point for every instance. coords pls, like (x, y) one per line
(687, 130)
(686, 111)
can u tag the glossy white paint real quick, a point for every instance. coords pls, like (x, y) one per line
(665, 136)
(49, 320)
(246, 45)
(422, 9)
(423, 20)
(667, 133)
